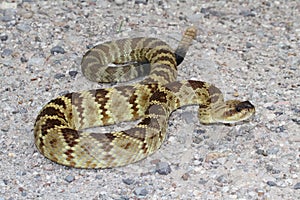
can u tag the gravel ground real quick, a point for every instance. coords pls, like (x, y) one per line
(249, 49)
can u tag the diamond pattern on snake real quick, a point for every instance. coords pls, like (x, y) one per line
(59, 129)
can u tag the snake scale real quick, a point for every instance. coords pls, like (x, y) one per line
(60, 128)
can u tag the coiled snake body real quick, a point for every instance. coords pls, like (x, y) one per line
(60, 126)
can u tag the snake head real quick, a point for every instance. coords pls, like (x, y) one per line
(233, 111)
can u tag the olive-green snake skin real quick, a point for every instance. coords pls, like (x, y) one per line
(60, 128)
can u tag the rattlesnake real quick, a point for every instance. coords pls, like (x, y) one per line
(59, 129)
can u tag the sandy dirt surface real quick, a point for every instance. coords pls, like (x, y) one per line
(248, 49)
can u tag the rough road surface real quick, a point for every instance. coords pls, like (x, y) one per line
(249, 49)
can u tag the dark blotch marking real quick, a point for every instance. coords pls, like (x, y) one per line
(151, 43)
(70, 136)
(150, 122)
(196, 84)
(161, 137)
(93, 53)
(53, 142)
(100, 94)
(136, 132)
(129, 92)
(76, 100)
(168, 58)
(162, 51)
(146, 121)
(213, 94)
(134, 107)
(59, 101)
(49, 124)
(174, 86)
(108, 157)
(41, 145)
(144, 147)
(202, 106)
(244, 105)
(105, 139)
(101, 99)
(156, 109)
(212, 90)
(165, 75)
(51, 111)
(159, 96)
(69, 154)
(69, 96)
(134, 43)
(164, 54)
(126, 145)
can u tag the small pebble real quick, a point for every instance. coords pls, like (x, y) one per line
(271, 169)
(23, 59)
(185, 176)
(194, 17)
(197, 139)
(3, 37)
(202, 181)
(59, 75)
(89, 46)
(73, 73)
(272, 107)
(297, 186)
(200, 131)
(124, 198)
(261, 152)
(3, 183)
(297, 121)
(21, 173)
(163, 168)
(220, 49)
(222, 179)
(128, 181)
(6, 53)
(273, 150)
(36, 61)
(69, 178)
(249, 45)
(141, 2)
(23, 28)
(247, 13)
(236, 94)
(57, 49)
(7, 18)
(8, 6)
(271, 183)
(99, 176)
(140, 191)
(119, 2)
